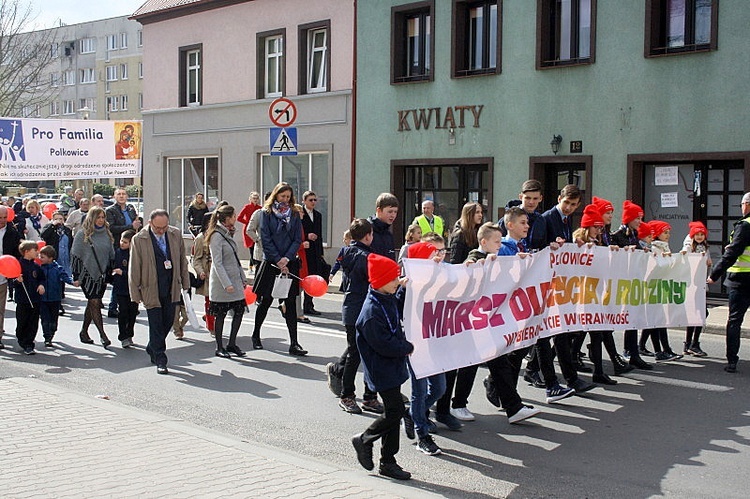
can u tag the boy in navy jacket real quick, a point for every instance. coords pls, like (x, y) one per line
(28, 296)
(383, 347)
(128, 308)
(54, 277)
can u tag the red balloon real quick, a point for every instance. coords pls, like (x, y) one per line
(10, 267)
(49, 210)
(38, 261)
(41, 244)
(250, 297)
(11, 214)
(314, 285)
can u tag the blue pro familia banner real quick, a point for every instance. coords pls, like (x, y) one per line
(36, 149)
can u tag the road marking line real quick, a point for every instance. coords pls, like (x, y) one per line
(681, 383)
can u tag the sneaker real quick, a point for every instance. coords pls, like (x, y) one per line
(525, 412)
(428, 446)
(29, 351)
(349, 405)
(665, 357)
(335, 383)
(449, 420)
(127, 343)
(409, 426)
(491, 391)
(676, 356)
(48, 344)
(686, 349)
(431, 426)
(645, 352)
(364, 452)
(581, 386)
(696, 351)
(373, 405)
(393, 470)
(534, 379)
(462, 414)
(557, 392)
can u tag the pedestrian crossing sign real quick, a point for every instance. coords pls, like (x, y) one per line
(283, 141)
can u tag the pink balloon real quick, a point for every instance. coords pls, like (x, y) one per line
(250, 297)
(10, 267)
(314, 285)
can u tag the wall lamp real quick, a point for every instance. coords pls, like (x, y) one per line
(555, 143)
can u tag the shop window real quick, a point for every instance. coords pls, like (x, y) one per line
(412, 46)
(476, 37)
(191, 75)
(186, 177)
(315, 67)
(304, 172)
(681, 26)
(271, 77)
(566, 32)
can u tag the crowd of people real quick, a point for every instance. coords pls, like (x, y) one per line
(146, 263)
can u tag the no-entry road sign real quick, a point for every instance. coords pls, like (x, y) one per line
(282, 112)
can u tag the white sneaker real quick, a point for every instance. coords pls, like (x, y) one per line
(462, 414)
(127, 343)
(526, 412)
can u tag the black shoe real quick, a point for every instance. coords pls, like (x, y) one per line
(603, 379)
(105, 341)
(731, 367)
(222, 352)
(297, 350)
(235, 350)
(621, 365)
(62, 312)
(364, 452)
(491, 391)
(312, 311)
(581, 386)
(48, 343)
(85, 338)
(393, 470)
(533, 378)
(257, 345)
(112, 314)
(409, 426)
(162, 370)
(639, 363)
(581, 367)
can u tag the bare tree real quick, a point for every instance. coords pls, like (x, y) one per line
(24, 57)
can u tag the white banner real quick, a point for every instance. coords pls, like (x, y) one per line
(35, 149)
(458, 315)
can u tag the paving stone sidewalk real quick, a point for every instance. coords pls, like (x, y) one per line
(59, 443)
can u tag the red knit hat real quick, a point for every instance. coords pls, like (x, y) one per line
(660, 227)
(381, 270)
(696, 227)
(630, 211)
(592, 217)
(603, 205)
(421, 250)
(645, 230)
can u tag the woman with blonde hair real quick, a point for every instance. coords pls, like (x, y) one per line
(35, 220)
(196, 211)
(92, 256)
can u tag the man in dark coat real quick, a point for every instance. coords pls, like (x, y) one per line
(9, 241)
(312, 224)
(121, 216)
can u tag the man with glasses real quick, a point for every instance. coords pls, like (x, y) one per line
(312, 224)
(158, 273)
(736, 263)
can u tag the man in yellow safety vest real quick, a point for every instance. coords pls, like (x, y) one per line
(428, 221)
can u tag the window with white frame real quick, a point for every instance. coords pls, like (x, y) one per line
(140, 38)
(317, 60)
(185, 177)
(123, 102)
(111, 42)
(140, 70)
(271, 64)
(304, 172)
(69, 107)
(54, 108)
(123, 40)
(87, 75)
(89, 103)
(191, 78)
(111, 73)
(88, 45)
(124, 71)
(54, 50)
(54, 79)
(140, 100)
(69, 77)
(113, 103)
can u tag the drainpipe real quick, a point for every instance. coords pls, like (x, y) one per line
(354, 119)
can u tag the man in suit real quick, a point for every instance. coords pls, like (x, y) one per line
(9, 241)
(312, 224)
(158, 272)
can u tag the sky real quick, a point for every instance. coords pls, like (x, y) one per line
(78, 11)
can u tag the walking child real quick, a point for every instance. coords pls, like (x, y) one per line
(347, 239)
(54, 277)
(28, 296)
(127, 307)
(696, 243)
(659, 336)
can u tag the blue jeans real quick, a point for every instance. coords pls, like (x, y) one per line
(739, 301)
(160, 321)
(424, 393)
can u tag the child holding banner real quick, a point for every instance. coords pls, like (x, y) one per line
(696, 242)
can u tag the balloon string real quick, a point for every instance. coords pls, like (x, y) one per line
(298, 278)
(23, 285)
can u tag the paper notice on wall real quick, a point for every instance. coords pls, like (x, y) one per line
(669, 200)
(666, 175)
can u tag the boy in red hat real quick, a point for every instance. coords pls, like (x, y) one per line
(383, 347)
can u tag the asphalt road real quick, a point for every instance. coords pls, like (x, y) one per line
(682, 430)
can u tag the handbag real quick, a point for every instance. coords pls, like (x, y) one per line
(282, 284)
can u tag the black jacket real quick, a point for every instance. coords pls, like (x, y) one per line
(459, 247)
(550, 227)
(315, 251)
(50, 235)
(382, 239)
(740, 241)
(116, 220)
(354, 265)
(11, 240)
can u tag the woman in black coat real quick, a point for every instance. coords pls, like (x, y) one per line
(196, 211)
(464, 236)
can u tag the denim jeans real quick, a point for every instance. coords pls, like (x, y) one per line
(424, 393)
(739, 301)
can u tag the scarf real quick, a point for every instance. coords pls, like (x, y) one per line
(84, 252)
(282, 211)
(36, 221)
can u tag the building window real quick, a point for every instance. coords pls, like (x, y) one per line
(113, 103)
(123, 71)
(191, 75)
(54, 79)
(69, 107)
(54, 108)
(123, 103)
(315, 57)
(69, 77)
(185, 177)
(476, 37)
(111, 42)
(140, 70)
(87, 75)
(306, 171)
(88, 45)
(140, 100)
(140, 38)
(412, 26)
(123, 40)
(54, 50)
(271, 81)
(89, 103)
(111, 72)
(565, 32)
(680, 26)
